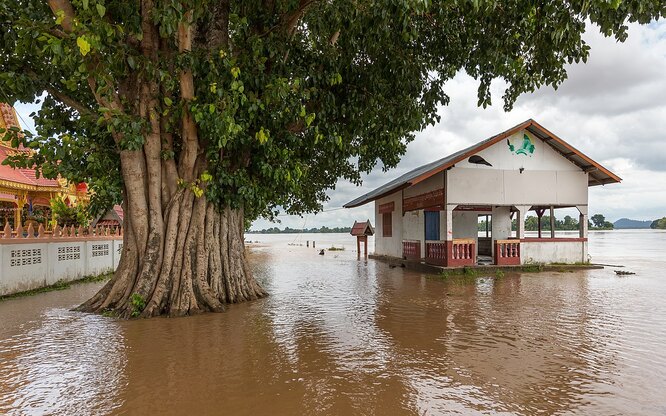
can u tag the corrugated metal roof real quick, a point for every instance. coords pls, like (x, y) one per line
(598, 175)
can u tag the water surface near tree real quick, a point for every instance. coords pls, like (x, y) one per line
(339, 336)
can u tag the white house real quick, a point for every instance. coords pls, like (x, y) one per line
(432, 212)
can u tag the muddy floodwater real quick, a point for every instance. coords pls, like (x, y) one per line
(339, 336)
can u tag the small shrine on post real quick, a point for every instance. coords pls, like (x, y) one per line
(362, 230)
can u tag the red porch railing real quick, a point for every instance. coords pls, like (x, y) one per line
(436, 253)
(507, 252)
(411, 249)
(463, 253)
(459, 252)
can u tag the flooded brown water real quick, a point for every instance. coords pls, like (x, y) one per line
(339, 336)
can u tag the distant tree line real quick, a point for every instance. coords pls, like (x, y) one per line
(288, 230)
(659, 224)
(596, 222)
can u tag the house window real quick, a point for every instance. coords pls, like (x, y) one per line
(387, 224)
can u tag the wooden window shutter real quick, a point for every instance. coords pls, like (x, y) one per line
(387, 224)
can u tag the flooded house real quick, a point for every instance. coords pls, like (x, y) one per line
(432, 212)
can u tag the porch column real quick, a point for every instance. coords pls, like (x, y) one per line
(520, 220)
(582, 220)
(552, 221)
(446, 227)
(501, 224)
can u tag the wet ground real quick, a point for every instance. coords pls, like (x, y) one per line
(340, 336)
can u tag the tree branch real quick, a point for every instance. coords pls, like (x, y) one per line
(64, 10)
(64, 7)
(292, 18)
(289, 21)
(61, 96)
(69, 101)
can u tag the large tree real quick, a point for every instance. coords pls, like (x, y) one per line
(201, 114)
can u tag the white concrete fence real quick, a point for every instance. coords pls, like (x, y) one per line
(30, 260)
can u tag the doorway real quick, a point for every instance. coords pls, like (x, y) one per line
(485, 240)
(431, 225)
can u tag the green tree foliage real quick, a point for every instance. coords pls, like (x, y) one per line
(568, 223)
(659, 224)
(65, 215)
(289, 95)
(599, 222)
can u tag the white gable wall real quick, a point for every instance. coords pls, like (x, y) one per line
(547, 178)
(389, 246)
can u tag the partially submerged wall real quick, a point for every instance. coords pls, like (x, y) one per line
(31, 263)
(549, 251)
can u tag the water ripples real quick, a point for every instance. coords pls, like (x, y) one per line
(341, 336)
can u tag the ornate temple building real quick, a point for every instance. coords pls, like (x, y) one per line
(24, 197)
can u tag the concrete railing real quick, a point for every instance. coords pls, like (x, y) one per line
(455, 253)
(411, 249)
(30, 260)
(507, 252)
(463, 252)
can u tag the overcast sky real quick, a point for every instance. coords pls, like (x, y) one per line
(613, 108)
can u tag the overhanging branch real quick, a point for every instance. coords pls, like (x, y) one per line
(69, 101)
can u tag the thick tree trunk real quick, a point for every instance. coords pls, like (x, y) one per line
(181, 255)
(203, 265)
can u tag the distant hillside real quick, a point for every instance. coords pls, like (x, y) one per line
(633, 224)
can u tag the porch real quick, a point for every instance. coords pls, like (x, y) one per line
(491, 235)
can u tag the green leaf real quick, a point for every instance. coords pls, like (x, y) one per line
(60, 16)
(235, 72)
(198, 192)
(309, 119)
(84, 46)
(206, 177)
(168, 101)
(100, 9)
(262, 136)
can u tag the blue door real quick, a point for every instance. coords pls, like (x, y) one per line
(432, 225)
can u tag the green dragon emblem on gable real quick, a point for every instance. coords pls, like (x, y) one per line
(526, 148)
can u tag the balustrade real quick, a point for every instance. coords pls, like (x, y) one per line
(8, 234)
(507, 252)
(411, 249)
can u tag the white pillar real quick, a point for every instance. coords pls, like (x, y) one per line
(520, 220)
(501, 224)
(446, 225)
(582, 220)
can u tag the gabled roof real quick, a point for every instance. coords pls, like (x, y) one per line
(26, 177)
(597, 174)
(113, 216)
(362, 228)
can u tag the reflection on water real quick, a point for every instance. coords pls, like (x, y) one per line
(340, 336)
